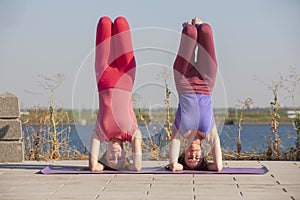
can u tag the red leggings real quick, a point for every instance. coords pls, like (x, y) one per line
(115, 73)
(190, 76)
(115, 62)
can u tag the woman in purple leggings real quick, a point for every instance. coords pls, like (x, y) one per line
(195, 79)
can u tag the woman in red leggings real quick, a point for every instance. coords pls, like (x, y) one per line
(116, 122)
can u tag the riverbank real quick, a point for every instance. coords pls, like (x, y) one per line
(255, 140)
(88, 117)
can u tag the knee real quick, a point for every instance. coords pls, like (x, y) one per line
(219, 167)
(204, 29)
(120, 20)
(105, 20)
(190, 30)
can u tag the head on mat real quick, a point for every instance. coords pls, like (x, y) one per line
(193, 158)
(194, 154)
(115, 158)
(115, 155)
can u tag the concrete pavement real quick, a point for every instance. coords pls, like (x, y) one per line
(23, 181)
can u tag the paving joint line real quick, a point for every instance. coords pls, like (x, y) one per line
(237, 186)
(53, 192)
(283, 189)
(12, 189)
(108, 182)
(149, 188)
(194, 189)
(59, 187)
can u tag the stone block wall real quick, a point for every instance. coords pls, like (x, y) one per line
(11, 145)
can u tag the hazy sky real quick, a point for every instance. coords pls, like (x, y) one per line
(47, 37)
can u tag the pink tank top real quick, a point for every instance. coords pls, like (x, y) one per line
(116, 118)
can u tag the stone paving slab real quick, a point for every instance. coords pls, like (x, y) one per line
(23, 181)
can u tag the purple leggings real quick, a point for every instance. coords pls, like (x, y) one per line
(194, 112)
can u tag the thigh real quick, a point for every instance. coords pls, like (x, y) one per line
(103, 50)
(123, 50)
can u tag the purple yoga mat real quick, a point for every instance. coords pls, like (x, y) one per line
(85, 170)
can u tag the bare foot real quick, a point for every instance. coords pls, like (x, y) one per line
(186, 23)
(196, 21)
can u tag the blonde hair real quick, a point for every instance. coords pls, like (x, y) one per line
(103, 161)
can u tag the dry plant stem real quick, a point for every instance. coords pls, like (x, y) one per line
(243, 105)
(154, 147)
(164, 76)
(297, 142)
(275, 124)
(54, 150)
(273, 146)
(46, 143)
(39, 143)
(294, 80)
(168, 100)
(239, 144)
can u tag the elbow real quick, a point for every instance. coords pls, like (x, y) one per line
(139, 168)
(96, 167)
(92, 168)
(135, 168)
(215, 167)
(219, 167)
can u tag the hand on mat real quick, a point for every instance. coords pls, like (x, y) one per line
(132, 167)
(214, 167)
(176, 167)
(97, 167)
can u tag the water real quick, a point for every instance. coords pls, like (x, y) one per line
(254, 138)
